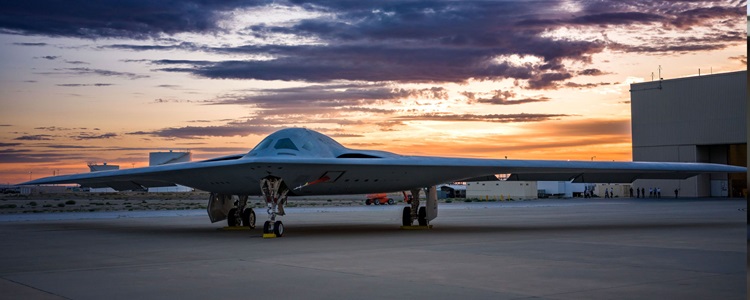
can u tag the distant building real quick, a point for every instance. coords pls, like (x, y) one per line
(451, 191)
(93, 167)
(560, 189)
(501, 190)
(170, 157)
(692, 119)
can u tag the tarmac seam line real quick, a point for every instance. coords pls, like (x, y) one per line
(34, 288)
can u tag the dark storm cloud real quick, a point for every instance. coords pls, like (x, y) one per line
(96, 72)
(547, 81)
(57, 146)
(187, 46)
(741, 58)
(36, 137)
(53, 128)
(76, 62)
(402, 42)
(705, 15)
(189, 132)
(495, 118)
(92, 136)
(28, 156)
(84, 84)
(9, 144)
(30, 44)
(331, 95)
(707, 42)
(113, 18)
(344, 135)
(585, 85)
(591, 72)
(100, 72)
(50, 57)
(382, 41)
(500, 97)
(264, 122)
(362, 63)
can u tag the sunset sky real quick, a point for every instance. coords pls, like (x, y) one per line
(110, 81)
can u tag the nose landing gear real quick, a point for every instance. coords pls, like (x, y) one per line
(275, 193)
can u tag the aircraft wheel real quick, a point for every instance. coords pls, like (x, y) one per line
(406, 216)
(267, 227)
(248, 218)
(278, 229)
(368, 201)
(390, 201)
(232, 217)
(422, 216)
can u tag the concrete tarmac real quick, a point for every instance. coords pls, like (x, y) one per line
(540, 249)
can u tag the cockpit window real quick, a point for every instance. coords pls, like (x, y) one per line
(263, 144)
(285, 143)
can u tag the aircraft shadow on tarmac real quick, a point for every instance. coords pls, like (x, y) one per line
(359, 230)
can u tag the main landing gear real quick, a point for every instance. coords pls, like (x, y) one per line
(423, 214)
(236, 212)
(275, 193)
(241, 215)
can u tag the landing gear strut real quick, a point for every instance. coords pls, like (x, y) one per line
(275, 193)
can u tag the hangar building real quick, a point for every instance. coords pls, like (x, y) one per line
(170, 157)
(93, 167)
(692, 119)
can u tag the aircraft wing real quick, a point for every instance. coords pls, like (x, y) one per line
(241, 175)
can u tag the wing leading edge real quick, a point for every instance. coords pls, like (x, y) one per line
(365, 175)
(301, 156)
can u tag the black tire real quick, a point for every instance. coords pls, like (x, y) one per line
(278, 229)
(267, 227)
(422, 216)
(248, 218)
(390, 201)
(368, 202)
(406, 216)
(232, 218)
(375, 201)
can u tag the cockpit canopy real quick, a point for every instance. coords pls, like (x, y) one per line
(308, 143)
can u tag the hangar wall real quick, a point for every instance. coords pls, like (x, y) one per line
(692, 119)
